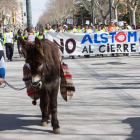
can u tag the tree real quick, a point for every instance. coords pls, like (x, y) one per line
(88, 7)
(57, 11)
(132, 6)
(101, 9)
(115, 4)
(7, 4)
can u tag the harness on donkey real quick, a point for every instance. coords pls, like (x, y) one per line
(66, 87)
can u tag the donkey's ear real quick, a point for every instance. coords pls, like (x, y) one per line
(24, 44)
(39, 46)
(22, 41)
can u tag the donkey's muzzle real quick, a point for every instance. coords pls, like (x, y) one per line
(37, 85)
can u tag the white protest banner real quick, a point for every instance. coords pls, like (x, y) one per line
(69, 21)
(31, 38)
(87, 22)
(115, 20)
(96, 43)
(121, 23)
(100, 23)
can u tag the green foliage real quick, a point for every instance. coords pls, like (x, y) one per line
(138, 15)
(122, 16)
(86, 16)
(121, 7)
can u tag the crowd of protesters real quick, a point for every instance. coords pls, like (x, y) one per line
(9, 37)
(89, 29)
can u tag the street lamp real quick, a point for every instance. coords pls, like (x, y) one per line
(81, 6)
(92, 10)
(110, 9)
(73, 12)
(73, 15)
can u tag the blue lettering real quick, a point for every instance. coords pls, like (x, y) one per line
(113, 34)
(105, 39)
(86, 38)
(132, 34)
(95, 39)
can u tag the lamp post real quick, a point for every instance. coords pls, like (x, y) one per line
(81, 14)
(81, 6)
(29, 14)
(73, 12)
(73, 15)
(110, 9)
(92, 11)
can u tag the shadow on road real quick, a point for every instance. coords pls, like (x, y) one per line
(17, 121)
(135, 126)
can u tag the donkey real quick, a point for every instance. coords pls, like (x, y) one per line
(44, 60)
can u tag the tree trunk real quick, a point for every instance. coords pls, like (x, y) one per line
(116, 13)
(95, 20)
(104, 20)
(133, 17)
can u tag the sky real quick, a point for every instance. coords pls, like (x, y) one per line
(38, 6)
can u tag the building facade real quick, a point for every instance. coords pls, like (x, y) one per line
(13, 17)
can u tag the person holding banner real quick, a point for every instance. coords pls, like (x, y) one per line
(41, 36)
(74, 29)
(102, 28)
(112, 27)
(36, 32)
(96, 28)
(47, 29)
(87, 30)
(78, 30)
(133, 27)
(59, 29)
(128, 26)
(53, 28)
(70, 28)
(125, 26)
(117, 27)
(93, 28)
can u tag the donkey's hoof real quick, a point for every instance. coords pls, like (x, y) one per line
(56, 131)
(50, 117)
(43, 123)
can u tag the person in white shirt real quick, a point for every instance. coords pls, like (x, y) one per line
(53, 28)
(8, 42)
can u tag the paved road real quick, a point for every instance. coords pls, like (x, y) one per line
(105, 106)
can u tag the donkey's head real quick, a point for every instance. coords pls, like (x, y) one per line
(35, 58)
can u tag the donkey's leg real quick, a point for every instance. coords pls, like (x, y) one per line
(53, 107)
(44, 105)
(50, 114)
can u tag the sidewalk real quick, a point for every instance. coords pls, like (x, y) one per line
(105, 106)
